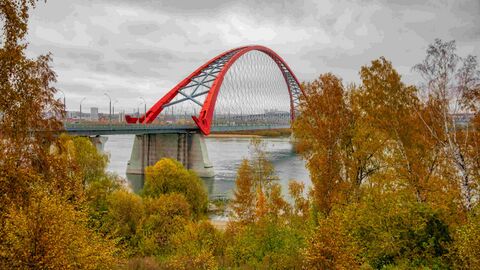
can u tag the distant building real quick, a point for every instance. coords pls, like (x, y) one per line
(462, 119)
(94, 113)
(73, 115)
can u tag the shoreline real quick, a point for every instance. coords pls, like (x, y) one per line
(253, 134)
(228, 135)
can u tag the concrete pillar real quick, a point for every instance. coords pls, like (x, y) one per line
(99, 142)
(188, 148)
(198, 160)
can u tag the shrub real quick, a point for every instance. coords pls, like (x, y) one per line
(169, 176)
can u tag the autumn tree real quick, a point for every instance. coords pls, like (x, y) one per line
(27, 104)
(330, 246)
(263, 171)
(394, 111)
(243, 202)
(451, 85)
(165, 216)
(389, 227)
(92, 163)
(263, 232)
(322, 131)
(44, 225)
(196, 247)
(301, 204)
(257, 194)
(50, 233)
(169, 176)
(278, 207)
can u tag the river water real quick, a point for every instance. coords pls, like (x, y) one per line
(226, 154)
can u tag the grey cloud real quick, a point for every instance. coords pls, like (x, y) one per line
(144, 47)
(152, 55)
(142, 29)
(79, 54)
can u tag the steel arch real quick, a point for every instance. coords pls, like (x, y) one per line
(216, 69)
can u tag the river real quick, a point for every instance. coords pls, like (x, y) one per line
(226, 154)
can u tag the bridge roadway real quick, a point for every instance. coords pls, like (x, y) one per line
(139, 129)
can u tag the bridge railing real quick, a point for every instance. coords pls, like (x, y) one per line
(124, 126)
(90, 129)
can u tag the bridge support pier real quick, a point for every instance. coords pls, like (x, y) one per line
(187, 148)
(99, 142)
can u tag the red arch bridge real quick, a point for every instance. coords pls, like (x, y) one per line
(246, 88)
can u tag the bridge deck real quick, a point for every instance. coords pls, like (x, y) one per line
(118, 129)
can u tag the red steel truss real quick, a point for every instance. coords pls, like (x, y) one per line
(219, 66)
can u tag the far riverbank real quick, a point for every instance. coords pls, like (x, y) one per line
(271, 133)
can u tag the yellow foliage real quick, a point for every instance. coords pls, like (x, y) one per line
(261, 207)
(389, 227)
(125, 213)
(164, 216)
(169, 176)
(243, 201)
(196, 246)
(301, 205)
(466, 248)
(330, 246)
(322, 132)
(203, 260)
(50, 233)
(92, 163)
(277, 206)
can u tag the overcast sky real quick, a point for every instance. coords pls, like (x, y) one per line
(144, 47)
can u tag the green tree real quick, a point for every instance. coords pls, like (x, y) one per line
(465, 249)
(125, 215)
(165, 216)
(92, 163)
(196, 247)
(391, 228)
(169, 176)
(267, 244)
(97, 194)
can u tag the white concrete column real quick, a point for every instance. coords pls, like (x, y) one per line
(188, 148)
(99, 142)
(198, 160)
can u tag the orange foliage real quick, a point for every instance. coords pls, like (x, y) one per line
(321, 130)
(244, 198)
(330, 247)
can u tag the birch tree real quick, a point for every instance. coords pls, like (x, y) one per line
(451, 83)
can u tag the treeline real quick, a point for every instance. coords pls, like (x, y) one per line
(396, 176)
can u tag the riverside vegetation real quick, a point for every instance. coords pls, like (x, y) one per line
(395, 180)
